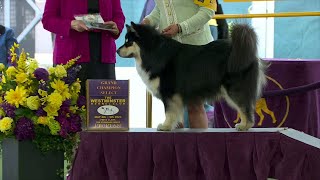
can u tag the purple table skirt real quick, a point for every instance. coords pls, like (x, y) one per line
(194, 156)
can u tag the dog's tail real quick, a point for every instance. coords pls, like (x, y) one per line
(244, 48)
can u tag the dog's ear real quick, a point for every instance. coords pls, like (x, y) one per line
(133, 24)
(128, 28)
(132, 28)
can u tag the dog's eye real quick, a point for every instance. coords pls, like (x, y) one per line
(128, 44)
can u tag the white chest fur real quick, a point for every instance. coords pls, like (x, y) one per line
(152, 85)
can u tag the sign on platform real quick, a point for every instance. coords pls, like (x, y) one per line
(107, 105)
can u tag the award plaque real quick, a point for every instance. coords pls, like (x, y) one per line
(107, 105)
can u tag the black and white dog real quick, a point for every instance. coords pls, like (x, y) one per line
(178, 73)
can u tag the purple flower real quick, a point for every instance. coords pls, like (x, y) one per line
(65, 126)
(61, 118)
(63, 111)
(43, 86)
(69, 125)
(41, 73)
(63, 133)
(66, 103)
(65, 108)
(24, 129)
(72, 74)
(41, 112)
(9, 109)
(81, 101)
(75, 124)
(11, 63)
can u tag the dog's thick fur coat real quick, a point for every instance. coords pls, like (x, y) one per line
(179, 73)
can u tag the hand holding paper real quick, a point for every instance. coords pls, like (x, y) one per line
(114, 28)
(93, 21)
(79, 25)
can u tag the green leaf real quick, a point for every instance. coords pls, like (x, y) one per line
(24, 112)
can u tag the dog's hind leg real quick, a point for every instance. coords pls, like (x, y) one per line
(244, 106)
(174, 113)
(247, 119)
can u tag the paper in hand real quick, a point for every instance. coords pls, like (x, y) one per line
(94, 21)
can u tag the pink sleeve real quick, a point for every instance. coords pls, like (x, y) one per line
(52, 20)
(117, 16)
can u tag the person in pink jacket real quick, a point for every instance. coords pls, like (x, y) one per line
(73, 38)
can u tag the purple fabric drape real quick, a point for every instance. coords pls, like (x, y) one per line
(148, 7)
(194, 156)
(300, 111)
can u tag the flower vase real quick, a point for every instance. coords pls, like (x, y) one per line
(22, 160)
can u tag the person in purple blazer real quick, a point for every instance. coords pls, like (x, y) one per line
(96, 47)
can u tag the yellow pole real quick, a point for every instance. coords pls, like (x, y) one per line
(286, 14)
(149, 110)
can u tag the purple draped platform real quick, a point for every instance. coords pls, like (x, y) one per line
(214, 154)
(298, 108)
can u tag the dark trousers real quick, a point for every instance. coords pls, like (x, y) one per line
(95, 70)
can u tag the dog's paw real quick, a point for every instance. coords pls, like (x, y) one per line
(163, 127)
(243, 127)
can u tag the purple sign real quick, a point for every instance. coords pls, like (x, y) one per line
(107, 105)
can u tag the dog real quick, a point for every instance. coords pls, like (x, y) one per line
(179, 74)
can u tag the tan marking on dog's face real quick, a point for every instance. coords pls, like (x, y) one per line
(130, 51)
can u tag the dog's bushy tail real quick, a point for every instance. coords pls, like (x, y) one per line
(244, 47)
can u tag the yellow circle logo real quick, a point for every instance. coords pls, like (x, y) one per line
(262, 108)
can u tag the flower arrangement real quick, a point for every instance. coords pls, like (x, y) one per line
(41, 105)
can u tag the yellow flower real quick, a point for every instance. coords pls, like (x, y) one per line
(11, 71)
(33, 102)
(30, 89)
(22, 65)
(13, 57)
(62, 88)
(16, 45)
(59, 85)
(73, 109)
(3, 79)
(60, 71)
(33, 65)
(51, 70)
(16, 97)
(43, 120)
(65, 95)
(75, 87)
(74, 98)
(54, 126)
(71, 62)
(13, 53)
(55, 100)
(2, 113)
(21, 77)
(5, 124)
(51, 110)
(2, 66)
(42, 93)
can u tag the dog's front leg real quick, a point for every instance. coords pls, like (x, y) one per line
(174, 113)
